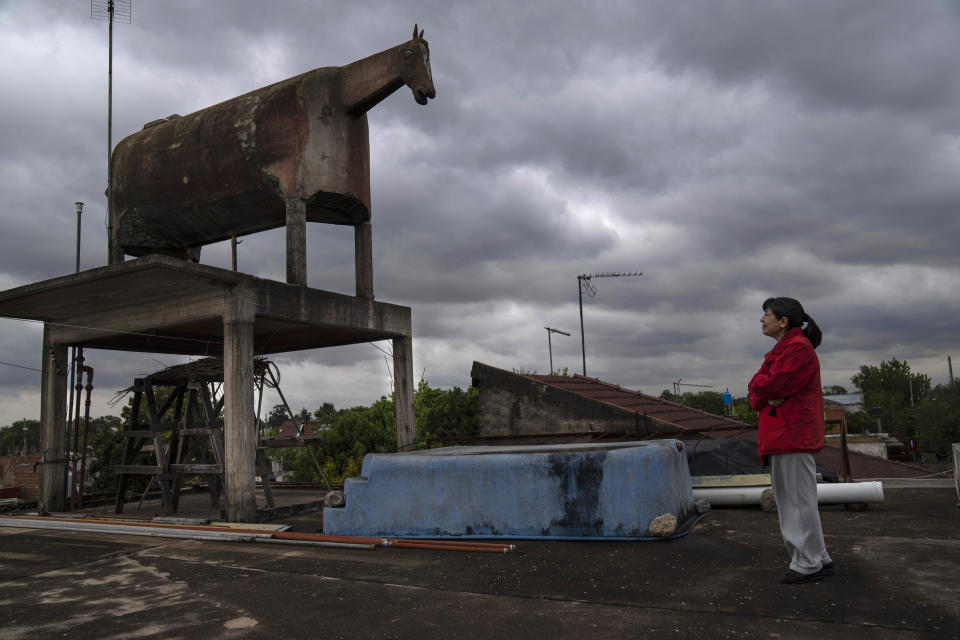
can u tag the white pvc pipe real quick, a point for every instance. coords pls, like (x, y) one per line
(827, 493)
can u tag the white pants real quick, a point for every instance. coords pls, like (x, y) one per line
(794, 480)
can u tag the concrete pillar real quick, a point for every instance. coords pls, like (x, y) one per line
(296, 241)
(239, 428)
(403, 393)
(53, 423)
(363, 256)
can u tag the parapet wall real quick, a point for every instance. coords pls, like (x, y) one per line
(514, 405)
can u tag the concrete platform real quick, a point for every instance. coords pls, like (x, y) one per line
(571, 491)
(159, 304)
(165, 305)
(896, 578)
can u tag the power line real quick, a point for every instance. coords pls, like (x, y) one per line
(129, 333)
(19, 366)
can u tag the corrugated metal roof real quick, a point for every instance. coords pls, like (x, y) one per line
(674, 414)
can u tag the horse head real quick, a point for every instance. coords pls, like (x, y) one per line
(415, 67)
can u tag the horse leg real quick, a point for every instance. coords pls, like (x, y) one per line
(363, 258)
(296, 241)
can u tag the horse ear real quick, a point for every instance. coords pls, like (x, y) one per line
(421, 34)
(414, 32)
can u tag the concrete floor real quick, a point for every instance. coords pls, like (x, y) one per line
(896, 578)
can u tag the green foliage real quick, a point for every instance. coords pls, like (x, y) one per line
(890, 386)
(445, 413)
(711, 401)
(861, 422)
(355, 432)
(326, 414)
(743, 412)
(107, 444)
(835, 390)
(13, 436)
(277, 416)
(936, 420)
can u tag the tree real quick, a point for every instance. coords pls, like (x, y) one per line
(744, 412)
(355, 432)
(936, 420)
(835, 390)
(861, 422)
(445, 413)
(893, 388)
(709, 401)
(13, 437)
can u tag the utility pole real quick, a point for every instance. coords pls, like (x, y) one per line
(550, 344)
(584, 284)
(73, 349)
(111, 11)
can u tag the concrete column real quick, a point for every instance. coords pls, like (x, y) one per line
(53, 423)
(403, 393)
(239, 428)
(363, 256)
(296, 241)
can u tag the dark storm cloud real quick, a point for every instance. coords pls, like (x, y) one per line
(730, 150)
(861, 55)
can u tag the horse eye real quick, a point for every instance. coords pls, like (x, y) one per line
(407, 53)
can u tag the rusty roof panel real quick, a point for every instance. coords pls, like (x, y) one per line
(671, 413)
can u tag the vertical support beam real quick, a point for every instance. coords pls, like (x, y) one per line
(296, 241)
(403, 393)
(363, 256)
(239, 421)
(53, 423)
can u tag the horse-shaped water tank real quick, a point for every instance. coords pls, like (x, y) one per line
(284, 154)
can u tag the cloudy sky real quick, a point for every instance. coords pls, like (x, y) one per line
(729, 150)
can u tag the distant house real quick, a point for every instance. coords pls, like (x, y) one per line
(849, 402)
(18, 476)
(288, 429)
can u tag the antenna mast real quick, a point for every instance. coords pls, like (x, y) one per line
(111, 11)
(583, 280)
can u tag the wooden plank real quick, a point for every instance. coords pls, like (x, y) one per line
(197, 468)
(278, 443)
(193, 431)
(138, 469)
(143, 433)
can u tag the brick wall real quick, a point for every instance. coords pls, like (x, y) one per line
(18, 471)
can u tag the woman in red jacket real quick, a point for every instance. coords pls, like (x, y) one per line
(787, 395)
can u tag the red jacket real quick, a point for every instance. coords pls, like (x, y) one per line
(790, 371)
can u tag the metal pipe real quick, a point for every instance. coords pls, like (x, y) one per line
(79, 206)
(583, 340)
(93, 527)
(76, 431)
(827, 493)
(250, 535)
(319, 543)
(110, 238)
(86, 430)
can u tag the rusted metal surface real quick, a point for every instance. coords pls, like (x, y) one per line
(676, 419)
(233, 168)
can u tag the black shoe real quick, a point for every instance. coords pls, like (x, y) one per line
(795, 577)
(827, 569)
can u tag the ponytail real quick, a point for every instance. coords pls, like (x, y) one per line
(812, 331)
(793, 311)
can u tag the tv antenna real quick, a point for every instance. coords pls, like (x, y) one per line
(111, 11)
(678, 384)
(551, 330)
(586, 286)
